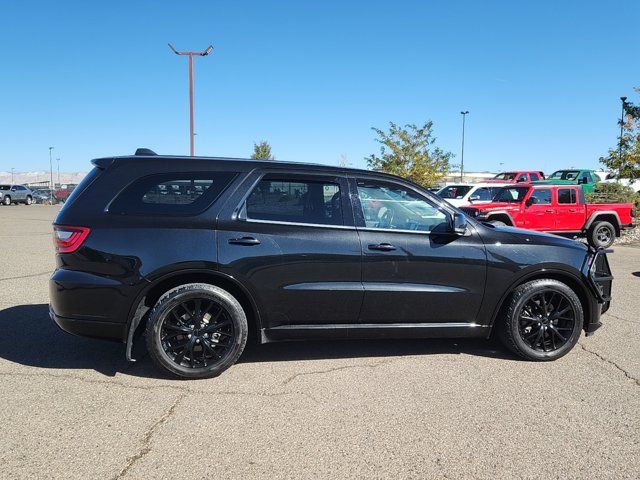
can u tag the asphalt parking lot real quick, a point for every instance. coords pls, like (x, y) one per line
(74, 408)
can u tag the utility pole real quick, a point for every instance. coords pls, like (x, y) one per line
(190, 54)
(58, 161)
(624, 101)
(51, 174)
(464, 116)
(12, 169)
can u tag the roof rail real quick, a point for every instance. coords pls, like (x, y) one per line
(145, 152)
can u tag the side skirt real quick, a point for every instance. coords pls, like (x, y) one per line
(373, 330)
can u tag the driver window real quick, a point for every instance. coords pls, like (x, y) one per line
(390, 206)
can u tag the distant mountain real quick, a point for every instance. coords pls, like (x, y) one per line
(33, 177)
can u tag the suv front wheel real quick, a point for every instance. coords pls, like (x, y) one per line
(196, 330)
(543, 320)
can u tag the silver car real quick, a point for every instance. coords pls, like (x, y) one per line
(15, 194)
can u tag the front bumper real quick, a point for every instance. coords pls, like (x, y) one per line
(600, 280)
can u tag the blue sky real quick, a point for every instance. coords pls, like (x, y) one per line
(541, 80)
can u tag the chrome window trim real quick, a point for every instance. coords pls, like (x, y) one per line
(297, 224)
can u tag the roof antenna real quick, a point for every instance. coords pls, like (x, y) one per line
(143, 152)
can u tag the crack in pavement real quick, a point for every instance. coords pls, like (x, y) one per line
(610, 362)
(620, 318)
(27, 276)
(264, 393)
(146, 439)
(290, 379)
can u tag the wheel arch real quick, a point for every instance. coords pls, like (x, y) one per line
(607, 216)
(571, 280)
(502, 217)
(145, 300)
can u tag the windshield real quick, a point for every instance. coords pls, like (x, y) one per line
(505, 176)
(564, 175)
(511, 194)
(454, 191)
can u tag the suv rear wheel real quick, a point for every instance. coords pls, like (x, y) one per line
(543, 320)
(196, 330)
(6, 200)
(29, 200)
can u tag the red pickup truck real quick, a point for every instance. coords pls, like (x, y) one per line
(518, 176)
(559, 209)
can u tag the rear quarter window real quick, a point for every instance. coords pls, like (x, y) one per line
(171, 194)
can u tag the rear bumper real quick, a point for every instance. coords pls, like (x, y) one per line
(86, 327)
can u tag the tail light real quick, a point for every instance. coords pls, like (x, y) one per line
(68, 239)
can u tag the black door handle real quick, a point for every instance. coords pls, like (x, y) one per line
(385, 247)
(244, 241)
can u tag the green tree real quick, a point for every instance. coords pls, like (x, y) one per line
(410, 152)
(262, 151)
(625, 158)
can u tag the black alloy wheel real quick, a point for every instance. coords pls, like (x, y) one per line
(196, 331)
(542, 321)
(546, 320)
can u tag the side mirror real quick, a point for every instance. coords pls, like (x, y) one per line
(459, 224)
(531, 201)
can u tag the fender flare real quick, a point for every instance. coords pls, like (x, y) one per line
(594, 216)
(139, 309)
(501, 212)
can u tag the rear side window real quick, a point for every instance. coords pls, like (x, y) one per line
(534, 177)
(4, 187)
(296, 201)
(567, 195)
(543, 196)
(171, 193)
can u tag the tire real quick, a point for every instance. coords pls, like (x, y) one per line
(29, 200)
(523, 336)
(498, 223)
(204, 354)
(601, 234)
(6, 200)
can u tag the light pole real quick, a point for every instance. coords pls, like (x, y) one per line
(12, 169)
(51, 174)
(58, 162)
(190, 54)
(624, 101)
(464, 116)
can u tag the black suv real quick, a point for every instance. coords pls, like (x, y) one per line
(200, 253)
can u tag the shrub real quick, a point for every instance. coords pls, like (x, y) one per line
(613, 193)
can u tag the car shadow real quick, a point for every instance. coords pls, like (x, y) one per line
(636, 274)
(29, 337)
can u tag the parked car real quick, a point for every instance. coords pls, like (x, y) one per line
(460, 194)
(42, 195)
(586, 178)
(287, 251)
(557, 209)
(61, 194)
(15, 194)
(519, 176)
(634, 182)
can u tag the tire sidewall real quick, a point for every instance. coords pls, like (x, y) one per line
(6, 200)
(184, 293)
(522, 295)
(29, 200)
